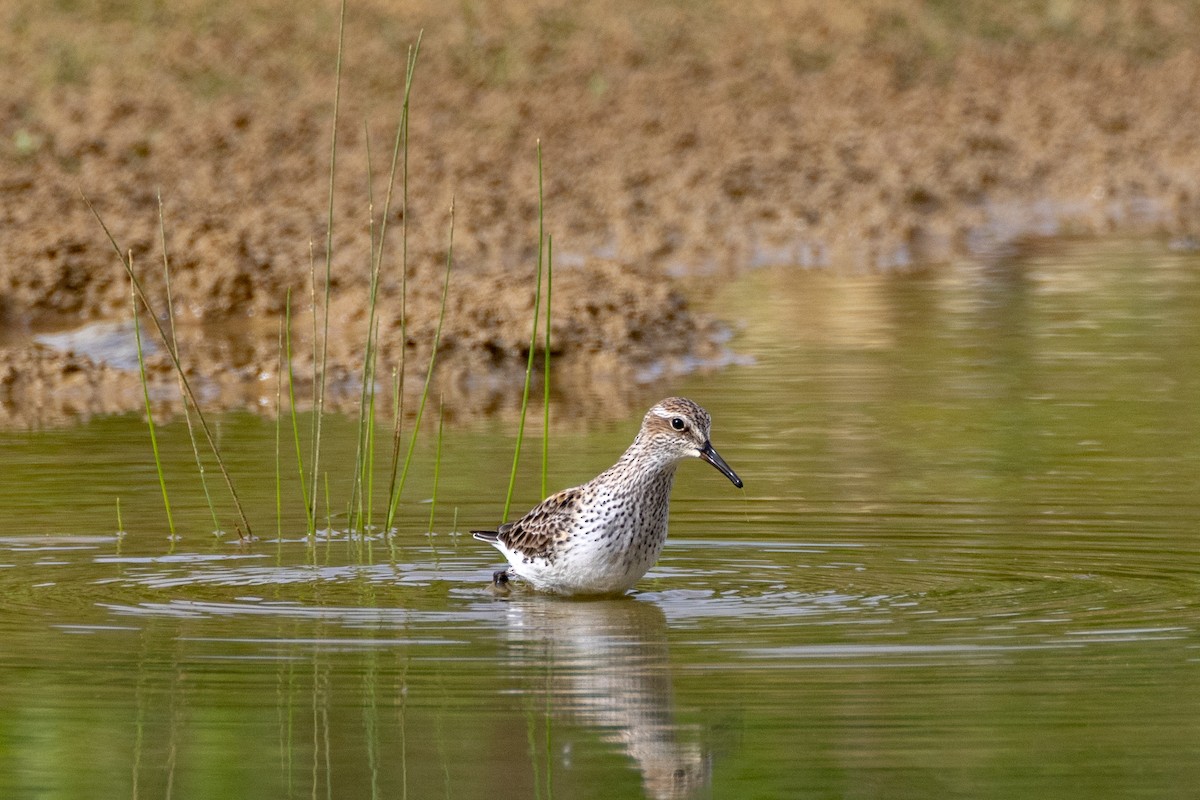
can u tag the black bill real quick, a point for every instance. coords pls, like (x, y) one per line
(711, 456)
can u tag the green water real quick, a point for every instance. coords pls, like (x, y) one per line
(965, 564)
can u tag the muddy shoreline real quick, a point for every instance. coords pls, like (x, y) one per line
(681, 147)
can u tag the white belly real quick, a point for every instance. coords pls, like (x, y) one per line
(597, 559)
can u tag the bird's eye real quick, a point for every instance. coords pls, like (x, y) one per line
(677, 423)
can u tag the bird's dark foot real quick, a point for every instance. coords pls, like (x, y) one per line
(500, 582)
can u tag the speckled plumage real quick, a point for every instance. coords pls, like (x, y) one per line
(602, 537)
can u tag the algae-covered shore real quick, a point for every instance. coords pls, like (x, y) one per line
(684, 142)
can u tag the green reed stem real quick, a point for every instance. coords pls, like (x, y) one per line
(397, 413)
(369, 464)
(311, 479)
(244, 531)
(437, 463)
(278, 439)
(355, 510)
(537, 301)
(162, 480)
(120, 525)
(400, 158)
(319, 408)
(328, 510)
(291, 373)
(400, 147)
(174, 345)
(546, 364)
(437, 338)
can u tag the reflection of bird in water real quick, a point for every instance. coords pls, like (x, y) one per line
(602, 537)
(609, 665)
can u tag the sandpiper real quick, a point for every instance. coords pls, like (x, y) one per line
(602, 537)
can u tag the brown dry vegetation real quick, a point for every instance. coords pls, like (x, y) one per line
(683, 141)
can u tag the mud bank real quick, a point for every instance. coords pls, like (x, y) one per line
(682, 144)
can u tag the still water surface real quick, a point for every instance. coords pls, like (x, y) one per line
(965, 564)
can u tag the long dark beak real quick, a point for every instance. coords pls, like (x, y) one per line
(713, 457)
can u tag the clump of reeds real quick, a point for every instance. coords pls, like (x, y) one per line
(313, 476)
(244, 530)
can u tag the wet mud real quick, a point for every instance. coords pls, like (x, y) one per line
(682, 144)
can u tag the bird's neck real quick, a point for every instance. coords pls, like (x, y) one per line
(642, 467)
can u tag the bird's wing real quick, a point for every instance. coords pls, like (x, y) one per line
(548, 522)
